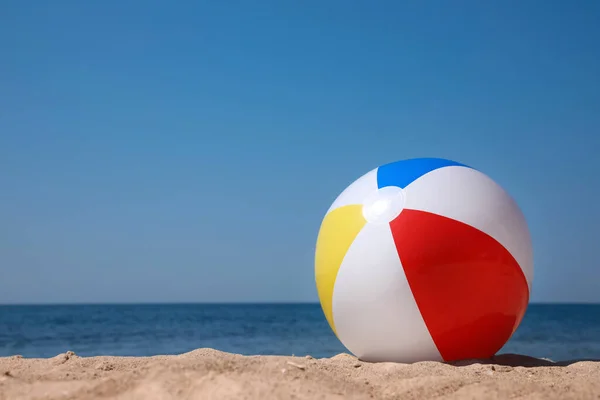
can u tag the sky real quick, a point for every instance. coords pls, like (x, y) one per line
(155, 151)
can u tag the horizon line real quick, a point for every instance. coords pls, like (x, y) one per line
(232, 303)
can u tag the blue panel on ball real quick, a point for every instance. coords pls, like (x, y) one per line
(402, 173)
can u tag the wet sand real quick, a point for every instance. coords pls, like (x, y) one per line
(209, 374)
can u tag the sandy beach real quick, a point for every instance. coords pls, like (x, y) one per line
(210, 374)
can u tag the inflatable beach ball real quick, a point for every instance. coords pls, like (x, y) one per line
(424, 259)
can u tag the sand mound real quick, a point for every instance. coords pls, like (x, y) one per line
(209, 374)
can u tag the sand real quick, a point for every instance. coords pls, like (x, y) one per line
(209, 374)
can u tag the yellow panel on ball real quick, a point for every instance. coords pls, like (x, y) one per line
(338, 230)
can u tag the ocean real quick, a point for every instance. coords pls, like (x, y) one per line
(555, 331)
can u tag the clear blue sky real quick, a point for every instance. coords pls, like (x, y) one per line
(187, 151)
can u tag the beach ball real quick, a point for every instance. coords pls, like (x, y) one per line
(424, 260)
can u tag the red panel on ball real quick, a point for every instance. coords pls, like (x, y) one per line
(471, 292)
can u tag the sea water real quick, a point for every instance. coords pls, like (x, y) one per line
(555, 331)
